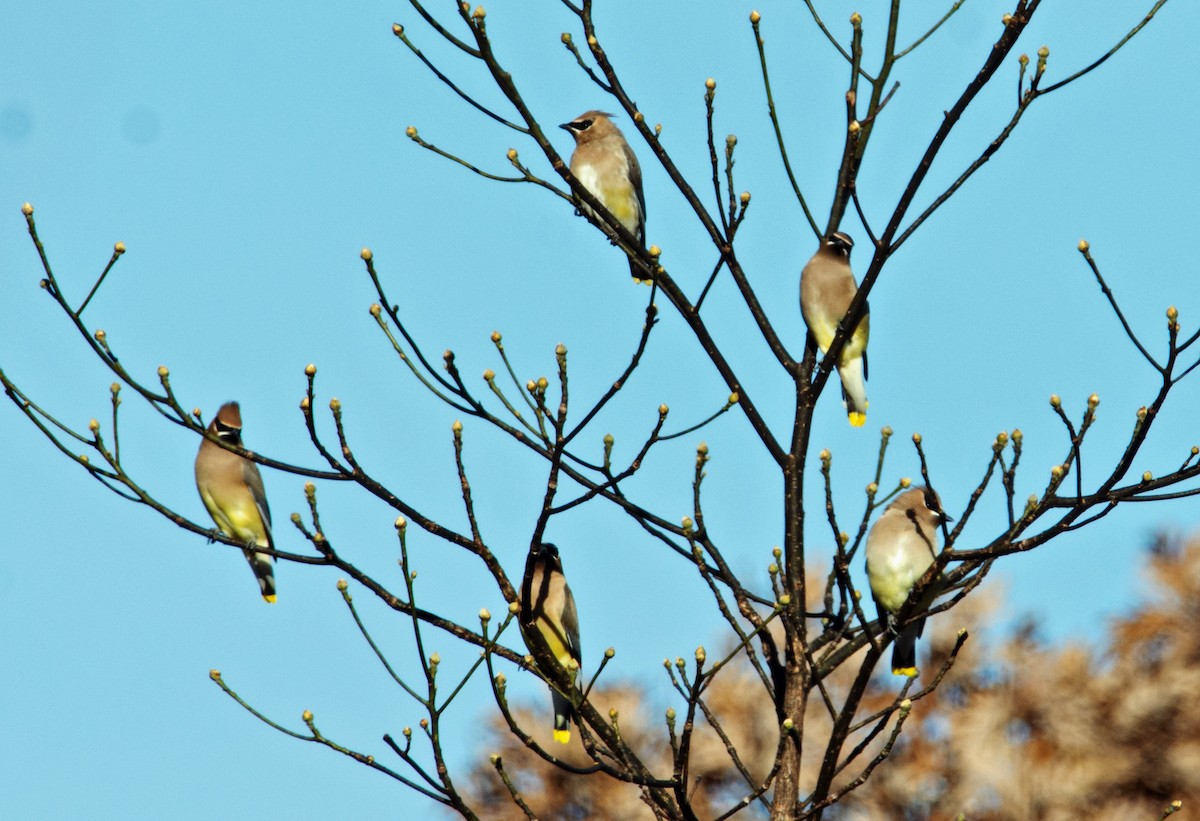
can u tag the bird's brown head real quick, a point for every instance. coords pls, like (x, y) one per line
(839, 243)
(591, 125)
(548, 553)
(227, 424)
(922, 505)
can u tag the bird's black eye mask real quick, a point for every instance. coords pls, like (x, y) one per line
(228, 432)
(580, 125)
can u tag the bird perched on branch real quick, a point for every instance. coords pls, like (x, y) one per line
(605, 165)
(548, 607)
(901, 546)
(232, 490)
(827, 287)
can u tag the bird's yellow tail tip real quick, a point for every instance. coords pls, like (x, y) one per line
(857, 419)
(907, 672)
(562, 736)
(269, 599)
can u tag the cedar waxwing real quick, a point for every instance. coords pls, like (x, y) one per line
(605, 165)
(827, 287)
(549, 607)
(232, 490)
(900, 548)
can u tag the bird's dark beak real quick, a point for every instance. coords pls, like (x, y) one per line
(947, 518)
(565, 126)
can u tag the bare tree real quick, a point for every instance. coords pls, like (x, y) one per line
(810, 647)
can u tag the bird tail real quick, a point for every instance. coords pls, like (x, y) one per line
(904, 650)
(563, 713)
(260, 563)
(854, 390)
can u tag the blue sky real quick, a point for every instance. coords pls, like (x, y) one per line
(246, 152)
